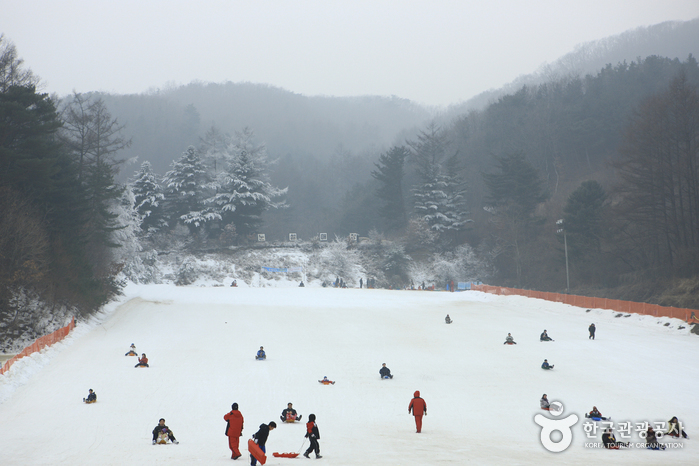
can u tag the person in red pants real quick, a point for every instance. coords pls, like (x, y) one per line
(234, 430)
(418, 406)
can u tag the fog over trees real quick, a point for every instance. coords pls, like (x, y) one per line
(90, 181)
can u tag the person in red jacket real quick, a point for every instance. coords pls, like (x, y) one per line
(419, 408)
(142, 361)
(234, 430)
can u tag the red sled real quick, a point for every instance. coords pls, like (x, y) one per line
(285, 455)
(256, 451)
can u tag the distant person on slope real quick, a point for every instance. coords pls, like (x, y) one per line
(289, 414)
(162, 432)
(261, 354)
(313, 435)
(418, 406)
(546, 365)
(142, 361)
(132, 351)
(595, 414)
(385, 372)
(674, 428)
(592, 329)
(91, 397)
(509, 340)
(652, 440)
(544, 402)
(447, 319)
(234, 430)
(545, 337)
(610, 441)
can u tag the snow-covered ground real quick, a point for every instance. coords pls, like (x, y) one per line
(482, 396)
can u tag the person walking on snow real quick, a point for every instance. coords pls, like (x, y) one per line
(418, 406)
(261, 438)
(312, 434)
(234, 430)
(592, 329)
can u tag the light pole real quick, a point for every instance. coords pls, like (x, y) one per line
(562, 229)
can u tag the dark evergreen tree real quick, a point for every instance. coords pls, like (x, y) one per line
(390, 174)
(514, 192)
(583, 219)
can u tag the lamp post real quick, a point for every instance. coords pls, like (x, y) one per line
(561, 229)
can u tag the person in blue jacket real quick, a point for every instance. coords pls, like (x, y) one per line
(261, 354)
(546, 365)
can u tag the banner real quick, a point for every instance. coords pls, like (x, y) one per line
(284, 270)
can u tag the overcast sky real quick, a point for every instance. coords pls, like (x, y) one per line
(435, 52)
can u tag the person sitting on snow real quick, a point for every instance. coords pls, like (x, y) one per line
(91, 398)
(674, 428)
(545, 337)
(132, 351)
(289, 414)
(385, 372)
(326, 381)
(546, 365)
(162, 432)
(509, 340)
(544, 402)
(610, 441)
(447, 319)
(142, 361)
(596, 414)
(261, 354)
(652, 441)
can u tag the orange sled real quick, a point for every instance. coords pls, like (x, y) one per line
(285, 455)
(256, 452)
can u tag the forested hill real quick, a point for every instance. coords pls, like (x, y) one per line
(163, 123)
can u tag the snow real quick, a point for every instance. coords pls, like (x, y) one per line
(482, 396)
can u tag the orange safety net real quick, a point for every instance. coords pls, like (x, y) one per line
(688, 315)
(39, 344)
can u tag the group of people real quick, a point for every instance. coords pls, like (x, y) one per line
(142, 361)
(674, 429)
(234, 430)
(509, 340)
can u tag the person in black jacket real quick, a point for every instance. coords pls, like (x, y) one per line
(610, 441)
(161, 427)
(312, 434)
(289, 414)
(261, 438)
(385, 372)
(591, 329)
(91, 398)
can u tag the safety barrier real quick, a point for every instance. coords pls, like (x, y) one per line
(40, 343)
(688, 315)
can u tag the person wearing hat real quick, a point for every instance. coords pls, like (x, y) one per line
(591, 329)
(289, 414)
(261, 354)
(234, 430)
(132, 351)
(91, 398)
(418, 406)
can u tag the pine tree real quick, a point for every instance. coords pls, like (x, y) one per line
(583, 217)
(186, 189)
(148, 200)
(455, 204)
(243, 190)
(390, 173)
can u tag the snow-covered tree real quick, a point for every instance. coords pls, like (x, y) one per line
(243, 189)
(148, 199)
(186, 189)
(455, 210)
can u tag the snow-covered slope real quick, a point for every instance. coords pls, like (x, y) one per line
(482, 396)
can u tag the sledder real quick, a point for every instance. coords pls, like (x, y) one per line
(385, 372)
(142, 361)
(132, 351)
(448, 320)
(289, 414)
(91, 398)
(326, 381)
(509, 340)
(595, 415)
(261, 355)
(162, 433)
